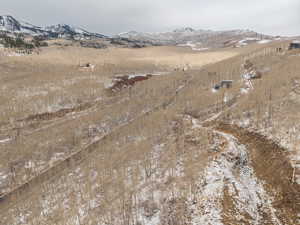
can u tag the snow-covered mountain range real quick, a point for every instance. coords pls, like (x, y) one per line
(12, 25)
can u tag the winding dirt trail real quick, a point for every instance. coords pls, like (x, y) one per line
(272, 166)
(252, 177)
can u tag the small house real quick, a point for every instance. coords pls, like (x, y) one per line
(223, 84)
(226, 83)
(294, 45)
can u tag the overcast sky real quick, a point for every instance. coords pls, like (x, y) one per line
(280, 17)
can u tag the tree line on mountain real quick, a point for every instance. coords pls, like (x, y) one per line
(20, 43)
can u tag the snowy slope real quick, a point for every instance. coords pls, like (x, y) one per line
(10, 24)
(65, 30)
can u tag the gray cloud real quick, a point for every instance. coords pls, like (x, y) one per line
(114, 16)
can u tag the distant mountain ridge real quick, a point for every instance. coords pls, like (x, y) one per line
(185, 36)
(189, 36)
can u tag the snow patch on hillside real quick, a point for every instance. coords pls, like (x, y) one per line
(264, 41)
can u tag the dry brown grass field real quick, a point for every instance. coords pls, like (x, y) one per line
(167, 150)
(52, 80)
